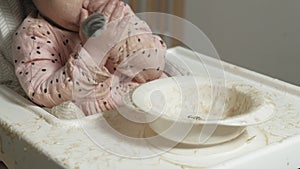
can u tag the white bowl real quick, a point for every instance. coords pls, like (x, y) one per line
(193, 111)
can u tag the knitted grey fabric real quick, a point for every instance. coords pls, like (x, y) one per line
(92, 24)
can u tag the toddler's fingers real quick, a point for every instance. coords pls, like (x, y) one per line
(85, 4)
(83, 16)
(96, 5)
(118, 12)
(109, 9)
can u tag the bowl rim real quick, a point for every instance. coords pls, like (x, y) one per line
(262, 113)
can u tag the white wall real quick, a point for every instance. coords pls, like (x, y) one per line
(261, 35)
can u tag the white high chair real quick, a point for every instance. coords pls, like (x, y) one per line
(32, 138)
(12, 13)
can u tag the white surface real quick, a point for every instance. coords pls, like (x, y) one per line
(32, 138)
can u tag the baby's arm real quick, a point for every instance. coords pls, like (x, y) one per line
(50, 75)
(39, 68)
(140, 57)
(138, 53)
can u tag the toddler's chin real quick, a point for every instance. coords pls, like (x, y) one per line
(69, 26)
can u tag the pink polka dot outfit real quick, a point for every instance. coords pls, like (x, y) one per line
(53, 67)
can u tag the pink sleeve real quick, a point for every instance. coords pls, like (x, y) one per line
(47, 79)
(121, 25)
(50, 75)
(139, 55)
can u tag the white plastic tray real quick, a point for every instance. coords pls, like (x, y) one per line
(33, 138)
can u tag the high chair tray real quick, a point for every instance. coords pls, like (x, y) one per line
(33, 138)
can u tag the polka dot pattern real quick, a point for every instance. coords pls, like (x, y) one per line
(142, 55)
(51, 65)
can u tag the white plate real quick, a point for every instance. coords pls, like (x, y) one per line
(179, 108)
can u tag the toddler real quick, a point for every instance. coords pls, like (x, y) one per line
(56, 61)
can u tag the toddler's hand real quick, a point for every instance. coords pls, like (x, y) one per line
(111, 9)
(96, 5)
(113, 32)
(83, 16)
(93, 24)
